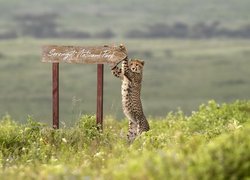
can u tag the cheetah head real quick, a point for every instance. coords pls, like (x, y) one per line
(136, 65)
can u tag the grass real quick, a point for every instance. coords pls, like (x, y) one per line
(213, 142)
(178, 73)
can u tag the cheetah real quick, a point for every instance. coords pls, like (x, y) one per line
(131, 77)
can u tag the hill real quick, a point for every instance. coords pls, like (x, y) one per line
(94, 16)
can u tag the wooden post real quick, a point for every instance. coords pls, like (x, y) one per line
(99, 108)
(55, 94)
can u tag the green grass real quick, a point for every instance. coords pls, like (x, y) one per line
(178, 73)
(212, 143)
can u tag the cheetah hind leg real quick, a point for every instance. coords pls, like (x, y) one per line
(132, 131)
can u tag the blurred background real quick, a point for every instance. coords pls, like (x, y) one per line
(194, 51)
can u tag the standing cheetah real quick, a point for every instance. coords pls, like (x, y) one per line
(131, 76)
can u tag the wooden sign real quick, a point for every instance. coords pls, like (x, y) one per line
(85, 55)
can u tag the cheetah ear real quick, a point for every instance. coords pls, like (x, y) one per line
(142, 62)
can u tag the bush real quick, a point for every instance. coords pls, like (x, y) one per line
(8, 35)
(226, 157)
(212, 143)
(73, 35)
(135, 33)
(214, 119)
(106, 34)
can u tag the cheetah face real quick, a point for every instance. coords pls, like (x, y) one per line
(136, 65)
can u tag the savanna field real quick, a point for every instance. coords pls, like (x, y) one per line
(195, 91)
(211, 143)
(198, 141)
(177, 73)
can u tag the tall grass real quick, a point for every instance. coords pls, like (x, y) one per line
(213, 142)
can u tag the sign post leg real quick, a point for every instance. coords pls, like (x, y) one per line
(99, 109)
(55, 94)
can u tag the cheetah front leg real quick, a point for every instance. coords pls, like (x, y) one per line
(121, 72)
(117, 72)
(126, 70)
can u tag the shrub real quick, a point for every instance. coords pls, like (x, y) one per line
(106, 34)
(214, 119)
(226, 157)
(212, 143)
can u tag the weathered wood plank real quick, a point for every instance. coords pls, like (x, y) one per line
(85, 55)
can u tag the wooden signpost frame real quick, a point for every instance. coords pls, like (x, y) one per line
(87, 55)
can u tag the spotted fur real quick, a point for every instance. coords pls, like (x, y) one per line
(131, 76)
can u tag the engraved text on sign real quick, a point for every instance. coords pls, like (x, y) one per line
(85, 55)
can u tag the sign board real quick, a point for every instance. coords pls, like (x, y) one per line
(85, 55)
(88, 55)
